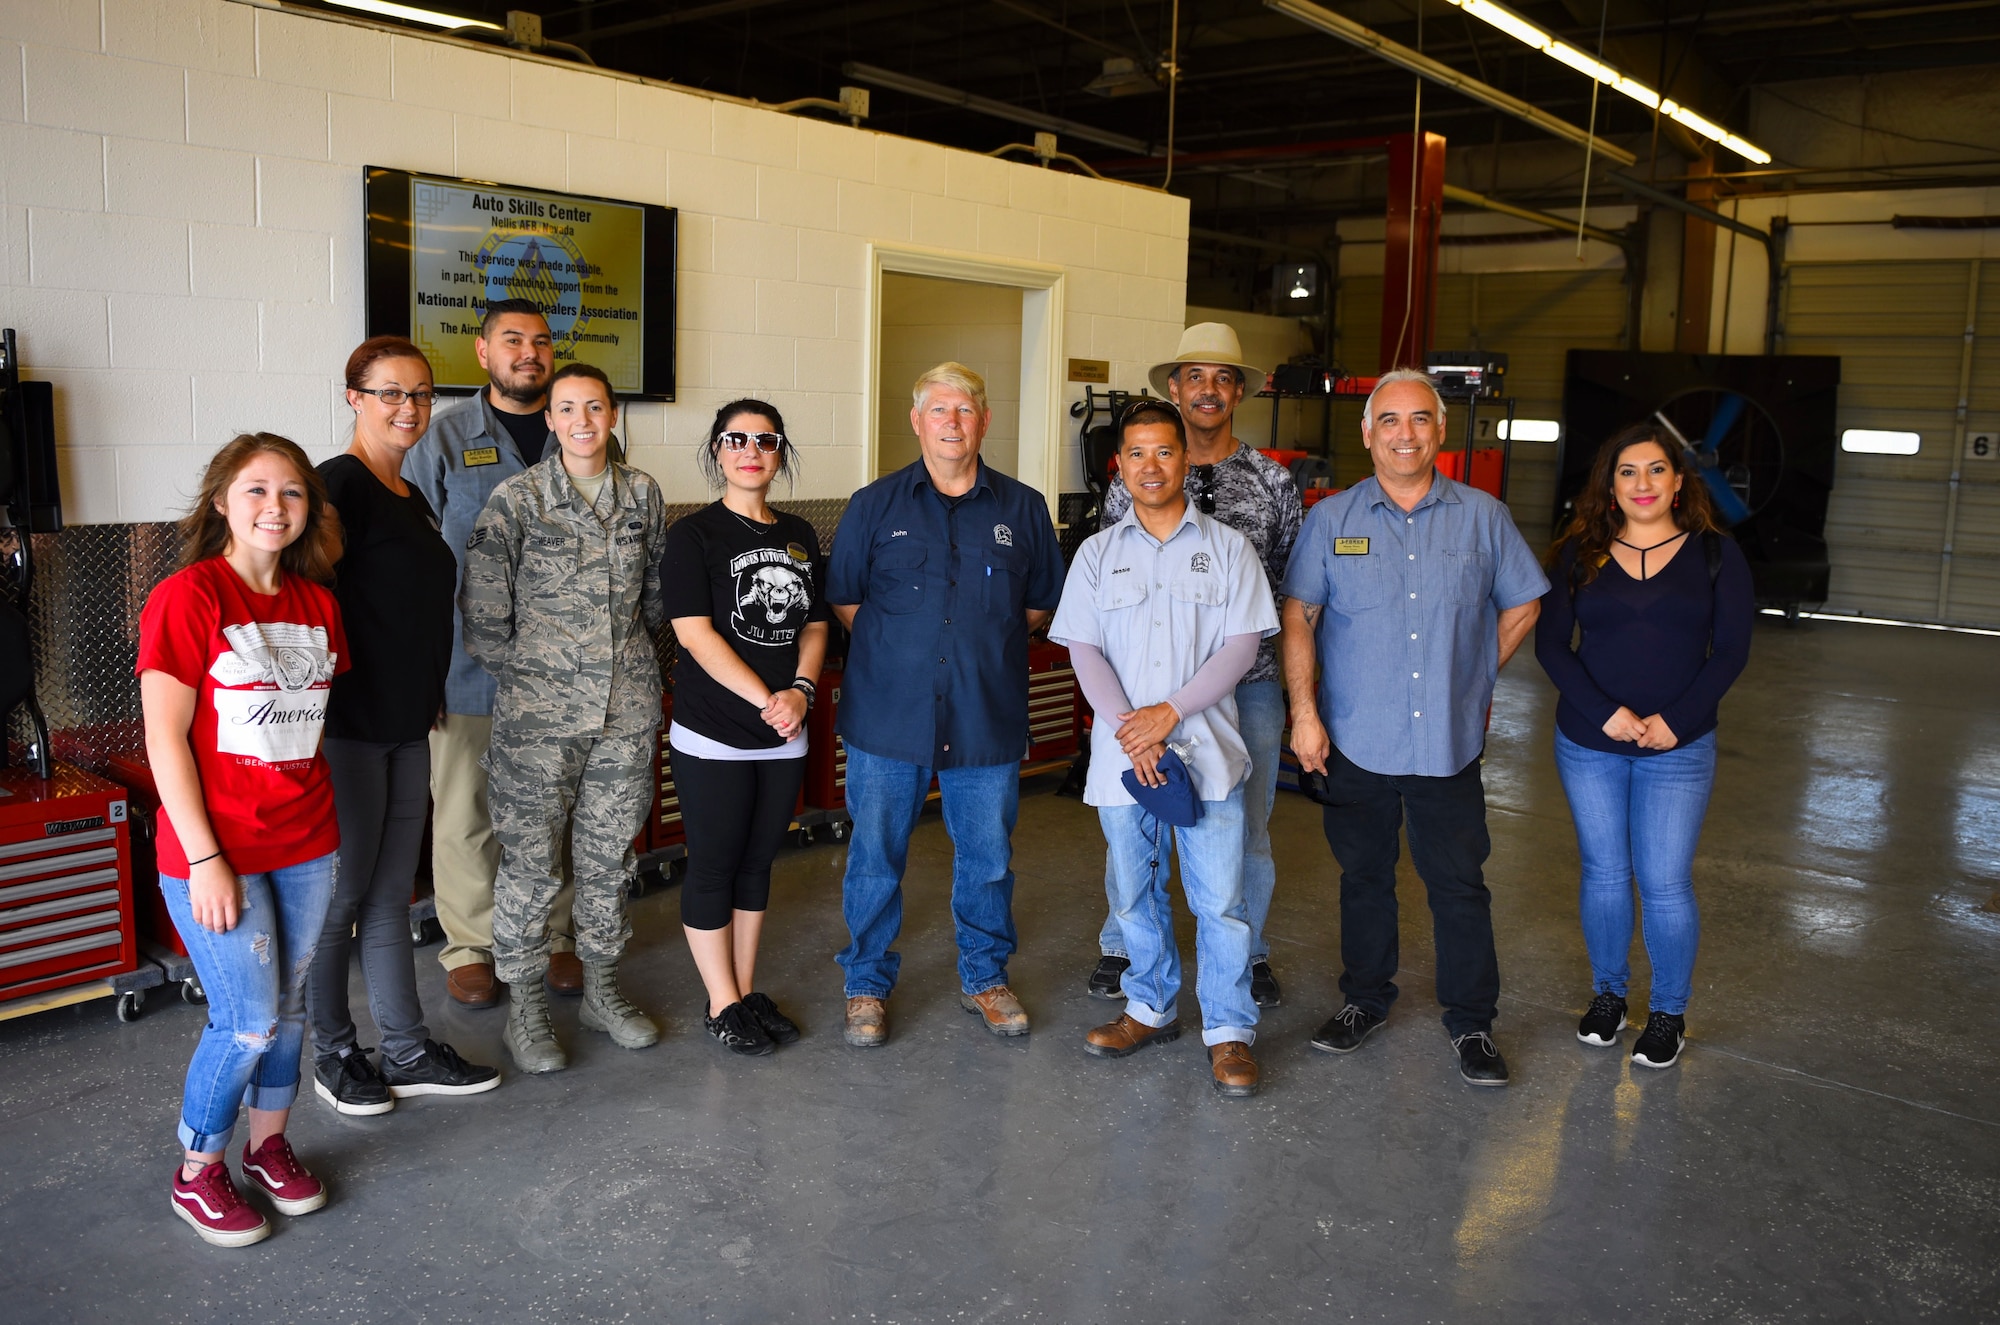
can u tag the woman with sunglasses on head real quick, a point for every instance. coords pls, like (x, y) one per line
(742, 584)
(1664, 604)
(395, 581)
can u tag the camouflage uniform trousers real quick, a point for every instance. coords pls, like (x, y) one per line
(594, 790)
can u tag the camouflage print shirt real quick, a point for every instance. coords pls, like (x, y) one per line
(560, 600)
(1255, 496)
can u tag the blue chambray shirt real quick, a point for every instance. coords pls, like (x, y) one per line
(1409, 643)
(937, 670)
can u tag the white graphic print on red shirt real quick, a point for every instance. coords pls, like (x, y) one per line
(271, 690)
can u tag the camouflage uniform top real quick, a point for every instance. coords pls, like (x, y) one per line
(560, 600)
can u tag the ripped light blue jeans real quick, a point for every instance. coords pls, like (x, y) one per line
(255, 977)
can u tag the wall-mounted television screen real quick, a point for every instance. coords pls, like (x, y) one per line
(601, 270)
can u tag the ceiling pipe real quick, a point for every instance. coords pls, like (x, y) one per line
(1773, 242)
(1549, 219)
(1000, 110)
(1253, 155)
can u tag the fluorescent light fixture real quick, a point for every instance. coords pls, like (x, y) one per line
(1874, 441)
(1881, 621)
(412, 14)
(1528, 430)
(1525, 32)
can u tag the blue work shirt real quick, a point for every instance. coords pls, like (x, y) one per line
(1409, 643)
(937, 671)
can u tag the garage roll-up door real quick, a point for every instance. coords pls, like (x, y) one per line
(1900, 329)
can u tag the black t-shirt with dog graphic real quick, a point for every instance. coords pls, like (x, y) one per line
(760, 585)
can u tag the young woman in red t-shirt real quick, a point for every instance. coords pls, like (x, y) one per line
(237, 654)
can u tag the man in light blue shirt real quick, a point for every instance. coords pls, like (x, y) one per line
(1407, 593)
(1162, 614)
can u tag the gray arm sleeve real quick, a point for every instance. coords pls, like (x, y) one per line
(1216, 678)
(1100, 683)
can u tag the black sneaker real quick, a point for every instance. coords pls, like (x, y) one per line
(736, 1029)
(350, 1083)
(1600, 1025)
(781, 1028)
(1346, 1029)
(438, 1070)
(1264, 991)
(1479, 1060)
(1659, 1045)
(1108, 980)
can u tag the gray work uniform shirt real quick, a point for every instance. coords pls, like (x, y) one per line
(1157, 611)
(466, 454)
(1409, 644)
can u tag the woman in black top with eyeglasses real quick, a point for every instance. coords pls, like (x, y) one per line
(742, 584)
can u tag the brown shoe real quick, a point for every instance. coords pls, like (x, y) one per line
(867, 1022)
(1235, 1070)
(1125, 1037)
(473, 985)
(1001, 1011)
(565, 975)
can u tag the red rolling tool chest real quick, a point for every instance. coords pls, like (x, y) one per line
(826, 754)
(1052, 703)
(663, 831)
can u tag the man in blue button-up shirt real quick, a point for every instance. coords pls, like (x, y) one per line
(939, 571)
(1408, 592)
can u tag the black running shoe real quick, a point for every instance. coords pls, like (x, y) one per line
(1108, 980)
(1264, 991)
(781, 1028)
(1600, 1025)
(438, 1070)
(1659, 1045)
(1346, 1029)
(350, 1083)
(736, 1030)
(1479, 1060)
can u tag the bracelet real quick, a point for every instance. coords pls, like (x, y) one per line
(806, 688)
(205, 859)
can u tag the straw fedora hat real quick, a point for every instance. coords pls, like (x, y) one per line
(1208, 342)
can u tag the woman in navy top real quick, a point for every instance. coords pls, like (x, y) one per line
(1645, 627)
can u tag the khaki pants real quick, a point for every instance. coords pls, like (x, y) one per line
(464, 853)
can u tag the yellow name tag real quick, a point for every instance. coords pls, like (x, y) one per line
(1350, 547)
(490, 455)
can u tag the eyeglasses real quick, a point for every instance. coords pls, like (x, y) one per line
(395, 395)
(764, 441)
(1138, 403)
(1204, 495)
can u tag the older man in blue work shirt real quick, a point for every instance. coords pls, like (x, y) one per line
(940, 571)
(1410, 592)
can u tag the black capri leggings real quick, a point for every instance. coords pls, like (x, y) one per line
(735, 813)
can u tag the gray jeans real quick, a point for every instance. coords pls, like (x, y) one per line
(381, 792)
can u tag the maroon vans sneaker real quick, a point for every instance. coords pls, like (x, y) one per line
(277, 1171)
(213, 1208)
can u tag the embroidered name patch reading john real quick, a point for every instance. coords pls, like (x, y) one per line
(1350, 547)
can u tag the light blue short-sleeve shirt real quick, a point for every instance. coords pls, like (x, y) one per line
(1409, 643)
(1157, 611)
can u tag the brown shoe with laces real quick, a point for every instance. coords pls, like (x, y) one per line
(997, 1007)
(1235, 1070)
(1125, 1037)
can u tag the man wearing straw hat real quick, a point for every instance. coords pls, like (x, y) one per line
(1254, 495)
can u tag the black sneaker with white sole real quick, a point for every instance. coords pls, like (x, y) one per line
(1346, 1029)
(1660, 1044)
(1606, 1017)
(1264, 991)
(1108, 980)
(350, 1083)
(737, 1030)
(438, 1070)
(1479, 1060)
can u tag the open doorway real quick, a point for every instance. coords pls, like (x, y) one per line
(928, 319)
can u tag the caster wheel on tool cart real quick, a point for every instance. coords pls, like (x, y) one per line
(192, 993)
(644, 882)
(423, 933)
(805, 837)
(130, 1004)
(839, 829)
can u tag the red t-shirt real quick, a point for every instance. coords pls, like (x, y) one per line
(261, 666)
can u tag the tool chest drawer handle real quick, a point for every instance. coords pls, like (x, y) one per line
(67, 860)
(21, 915)
(64, 948)
(10, 938)
(66, 841)
(15, 894)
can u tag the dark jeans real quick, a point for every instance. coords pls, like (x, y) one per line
(735, 813)
(381, 792)
(1448, 844)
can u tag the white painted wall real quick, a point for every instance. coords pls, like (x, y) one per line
(181, 231)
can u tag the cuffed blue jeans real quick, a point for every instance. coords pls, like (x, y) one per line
(1639, 817)
(1211, 856)
(884, 797)
(1260, 713)
(255, 978)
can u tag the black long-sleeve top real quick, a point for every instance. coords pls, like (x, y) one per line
(1671, 645)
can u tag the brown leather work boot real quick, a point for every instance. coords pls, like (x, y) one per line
(472, 985)
(1125, 1037)
(999, 1009)
(565, 975)
(867, 1022)
(1235, 1070)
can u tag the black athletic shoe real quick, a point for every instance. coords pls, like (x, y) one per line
(1659, 1045)
(350, 1083)
(776, 1024)
(736, 1030)
(1346, 1029)
(1479, 1060)
(1264, 991)
(1108, 980)
(1600, 1025)
(438, 1070)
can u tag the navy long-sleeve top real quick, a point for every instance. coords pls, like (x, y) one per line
(1672, 644)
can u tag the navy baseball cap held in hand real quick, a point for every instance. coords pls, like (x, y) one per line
(1174, 801)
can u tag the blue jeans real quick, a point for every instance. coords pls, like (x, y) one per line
(255, 977)
(885, 796)
(1211, 856)
(1260, 713)
(1639, 816)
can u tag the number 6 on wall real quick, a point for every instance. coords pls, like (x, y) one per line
(1982, 446)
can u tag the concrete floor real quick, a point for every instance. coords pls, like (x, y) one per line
(1828, 1149)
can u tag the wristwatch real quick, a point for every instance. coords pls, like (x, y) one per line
(806, 688)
